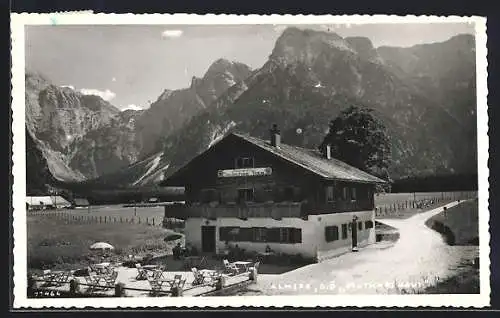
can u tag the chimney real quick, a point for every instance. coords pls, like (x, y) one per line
(328, 152)
(275, 136)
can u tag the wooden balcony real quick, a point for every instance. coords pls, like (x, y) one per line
(249, 210)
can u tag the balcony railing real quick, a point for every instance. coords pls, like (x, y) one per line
(249, 210)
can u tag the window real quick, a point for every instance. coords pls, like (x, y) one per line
(228, 233)
(344, 231)
(273, 235)
(368, 224)
(285, 235)
(353, 194)
(260, 234)
(360, 226)
(244, 162)
(295, 235)
(331, 233)
(330, 196)
(344, 193)
(245, 195)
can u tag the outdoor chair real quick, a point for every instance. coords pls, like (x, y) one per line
(178, 281)
(48, 275)
(230, 268)
(198, 277)
(157, 274)
(61, 278)
(90, 282)
(255, 267)
(142, 274)
(111, 279)
(157, 284)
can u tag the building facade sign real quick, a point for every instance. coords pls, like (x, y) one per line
(245, 172)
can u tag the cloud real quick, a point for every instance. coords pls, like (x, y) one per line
(132, 107)
(68, 86)
(107, 95)
(171, 33)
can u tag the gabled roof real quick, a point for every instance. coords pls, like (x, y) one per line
(309, 159)
(314, 161)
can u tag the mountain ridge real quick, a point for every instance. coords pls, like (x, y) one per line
(309, 78)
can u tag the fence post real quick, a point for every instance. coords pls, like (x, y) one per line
(119, 290)
(177, 291)
(121, 219)
(73, 287)
(153, 221)
(139, 220)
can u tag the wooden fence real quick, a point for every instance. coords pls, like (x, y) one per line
(401, 207)
(105, 219)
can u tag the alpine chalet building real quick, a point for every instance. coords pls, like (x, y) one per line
(257, 193)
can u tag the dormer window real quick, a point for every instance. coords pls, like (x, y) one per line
(244, 162)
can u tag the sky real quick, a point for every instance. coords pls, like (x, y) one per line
(131, 65)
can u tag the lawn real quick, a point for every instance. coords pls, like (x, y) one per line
(466, 282)
(459, 224)
(58, 243)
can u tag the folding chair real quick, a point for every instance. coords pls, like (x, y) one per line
(178, 281)
(61, 278)
(142, 274)
(91, 283)
(48, 276)
(111, 279)
(155, 287)
(230, 268)
(198, 277)
(255, 266)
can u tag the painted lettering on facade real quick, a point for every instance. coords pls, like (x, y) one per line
(245, 172)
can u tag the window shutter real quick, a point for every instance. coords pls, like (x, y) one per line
(273, 235)
(296, 235)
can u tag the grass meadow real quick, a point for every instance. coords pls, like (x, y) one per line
(60, 243)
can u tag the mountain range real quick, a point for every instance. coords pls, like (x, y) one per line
(425, 95)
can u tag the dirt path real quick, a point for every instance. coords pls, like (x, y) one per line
(417, 260)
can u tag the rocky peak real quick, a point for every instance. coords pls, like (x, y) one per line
(296, 45)
(364, 48)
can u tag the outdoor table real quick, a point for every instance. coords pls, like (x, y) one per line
(209, 272)
(243, 265)
(102, 267)
(151, 267)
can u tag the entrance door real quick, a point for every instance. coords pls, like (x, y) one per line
(354, 232)
(208, 239)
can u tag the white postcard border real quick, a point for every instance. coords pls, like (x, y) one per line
(18, 21)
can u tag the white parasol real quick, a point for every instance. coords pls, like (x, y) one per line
(101, 246)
